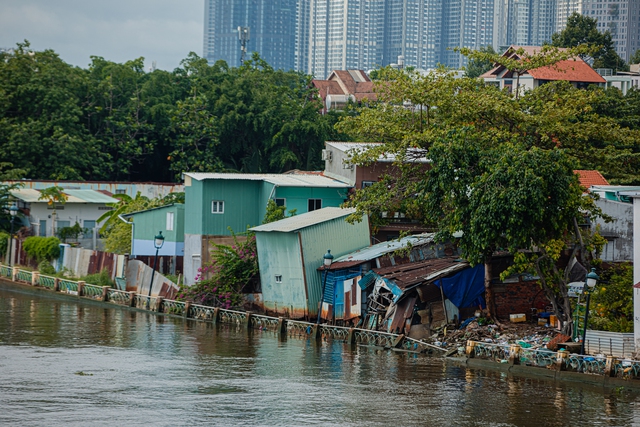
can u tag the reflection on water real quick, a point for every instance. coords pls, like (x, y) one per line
(68, 362)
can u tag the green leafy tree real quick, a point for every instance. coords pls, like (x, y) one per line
(635, 58)
(582, 30)
(477, 67)
(613, 300)
(275, 213)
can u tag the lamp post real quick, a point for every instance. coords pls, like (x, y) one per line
(590, 284)
(157, 242)
(13, 210)
(328, 259)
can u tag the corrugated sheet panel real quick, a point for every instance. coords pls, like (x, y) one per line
(298, 222)
(276, 179)
(89, 196)
(337, 235)
(379, 249)
(609, 343)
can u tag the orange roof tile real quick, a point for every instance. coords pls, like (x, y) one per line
(589, 178)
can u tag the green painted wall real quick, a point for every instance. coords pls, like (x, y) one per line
(147, 224)
(280, 253)
(298, 197)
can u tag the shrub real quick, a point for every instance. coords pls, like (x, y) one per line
(99, 279)
(46, 268)
(4, 243)
(65, 233)
(42, 248)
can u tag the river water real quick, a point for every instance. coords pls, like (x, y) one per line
(66, 362)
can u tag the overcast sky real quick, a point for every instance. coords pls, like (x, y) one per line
(164, 31)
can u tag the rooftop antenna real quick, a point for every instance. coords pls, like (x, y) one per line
(243, 36)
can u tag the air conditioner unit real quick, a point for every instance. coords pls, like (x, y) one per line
(327, 155)
(347, 166)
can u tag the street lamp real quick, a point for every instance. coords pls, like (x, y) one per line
(157, 242)
(328, 259)
(13, 210)
(590, 284)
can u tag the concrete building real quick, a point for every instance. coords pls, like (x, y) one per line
(271, 31)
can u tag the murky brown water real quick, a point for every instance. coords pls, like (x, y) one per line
(74, 363)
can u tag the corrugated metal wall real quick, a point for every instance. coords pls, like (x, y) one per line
(339, 236)
(81, 262)
(609, 343)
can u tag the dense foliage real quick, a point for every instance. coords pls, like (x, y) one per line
(613, 300)
(117, 122)
(221, 283)
(42, 248)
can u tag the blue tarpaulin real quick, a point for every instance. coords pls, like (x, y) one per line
(464, 289)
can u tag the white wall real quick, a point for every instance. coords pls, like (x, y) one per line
(619, 233)
(72, 212)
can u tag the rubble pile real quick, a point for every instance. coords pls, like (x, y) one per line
(526, 335)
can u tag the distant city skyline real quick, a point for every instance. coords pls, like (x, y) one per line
(367, 34)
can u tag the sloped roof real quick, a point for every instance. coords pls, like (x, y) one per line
(29, 195)
(589, 178)
(281, 180)
(298, 222)
(379, 249)
(573, 70)
(346, 82)
(127, 215)
(407, 275)
(417, 155)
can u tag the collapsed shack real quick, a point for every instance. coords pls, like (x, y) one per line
(416, 298)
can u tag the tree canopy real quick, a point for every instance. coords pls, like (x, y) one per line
(114, 121)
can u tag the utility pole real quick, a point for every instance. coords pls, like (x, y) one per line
(243, 36)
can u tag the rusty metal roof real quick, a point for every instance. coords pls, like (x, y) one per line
(406, 276)
(379, 249)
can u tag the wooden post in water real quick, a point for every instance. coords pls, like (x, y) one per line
(56, 284)
(282, 327)
(216, 315)
(351, 337)
(562, 354)
(471, 351)
(248, 320)
(609, 367)
(132, 299)
(158, 307)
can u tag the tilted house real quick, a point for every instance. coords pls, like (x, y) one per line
(217, 205)
(290, 252)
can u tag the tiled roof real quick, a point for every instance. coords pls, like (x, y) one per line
(589, 178)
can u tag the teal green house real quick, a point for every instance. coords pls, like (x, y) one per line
(146, 225)
(291, 254)
(217, 204)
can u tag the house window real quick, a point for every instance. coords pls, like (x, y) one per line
(121, 191)
(278, 278)
(88, 226)
(366, 184)
(315, 204)
(169, 221)
(217, 206)
(281, 202)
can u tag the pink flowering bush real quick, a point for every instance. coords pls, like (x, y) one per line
(220, 284)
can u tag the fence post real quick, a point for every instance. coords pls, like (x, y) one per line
(158, 306)
(81, 287)
(316, 333)
(282, 326)
(609, 367)
(514, 354)
(561, 355)
(216, 314)
(132, 299)
(56, 284)
(351, 337)
(14, 274)
(471, 350)
(187, 306)
(248, 320)
(105, 293)
(34, 278)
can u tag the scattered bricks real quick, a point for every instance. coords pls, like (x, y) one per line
(558, 339)
(81, 287)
